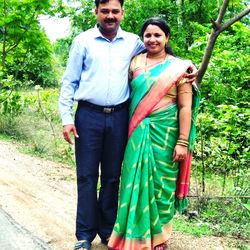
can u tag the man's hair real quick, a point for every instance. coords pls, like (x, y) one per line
(97, 2)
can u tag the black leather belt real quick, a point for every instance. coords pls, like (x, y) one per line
(103, 109)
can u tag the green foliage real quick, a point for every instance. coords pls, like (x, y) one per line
(231, 54)
(82, 18)
(61, 49)
(137, 11)
(195, 227)
(25, 50)
(81, 14)
(223, 122)
(32, 60)
(37, 124)
(11, 102)
(224, 131)
(227, 217)
(218, 217)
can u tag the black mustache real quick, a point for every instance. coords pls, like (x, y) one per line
(110, 21)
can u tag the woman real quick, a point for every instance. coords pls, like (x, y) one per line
(161, 137)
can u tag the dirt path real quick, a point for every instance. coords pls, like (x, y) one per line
(41, 196)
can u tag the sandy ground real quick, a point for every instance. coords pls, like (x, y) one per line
(41, 196)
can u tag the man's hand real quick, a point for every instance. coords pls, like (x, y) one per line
(191, 74)
(67, 130)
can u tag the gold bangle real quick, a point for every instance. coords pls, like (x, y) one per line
(184, 145)
(182, 142)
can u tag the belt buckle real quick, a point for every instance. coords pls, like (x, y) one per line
(108, 110)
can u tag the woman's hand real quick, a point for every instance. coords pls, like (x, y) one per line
(180, 153)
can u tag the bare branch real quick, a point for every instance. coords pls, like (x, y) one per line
(222, 11)
(235, 19)
(215, 25)
(207, 56)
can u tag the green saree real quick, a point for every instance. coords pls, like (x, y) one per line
(148, 182)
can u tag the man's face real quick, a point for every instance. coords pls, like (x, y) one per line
(109, 16)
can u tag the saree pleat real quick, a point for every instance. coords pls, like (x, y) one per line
(148, 179)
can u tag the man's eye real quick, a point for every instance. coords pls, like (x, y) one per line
(116, 12)
(105, 12)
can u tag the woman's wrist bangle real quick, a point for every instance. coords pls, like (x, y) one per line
(182, 142)
(184, 145)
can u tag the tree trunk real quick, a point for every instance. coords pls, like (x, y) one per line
(180, 6)
(208, 53)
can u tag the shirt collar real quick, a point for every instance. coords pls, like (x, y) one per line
(98, 34)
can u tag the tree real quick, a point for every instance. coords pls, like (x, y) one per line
(21, 34)
(217, 28)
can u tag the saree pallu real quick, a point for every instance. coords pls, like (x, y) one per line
(148, 180)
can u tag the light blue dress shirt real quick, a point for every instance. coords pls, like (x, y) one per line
(97, 70)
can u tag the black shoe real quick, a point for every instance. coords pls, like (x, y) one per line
(86, 245)
(105, 241)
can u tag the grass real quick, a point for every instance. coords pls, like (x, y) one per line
(217, 217)
(194, 227)
(5, 137)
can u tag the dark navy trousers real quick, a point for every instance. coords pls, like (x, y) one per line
(99, 151)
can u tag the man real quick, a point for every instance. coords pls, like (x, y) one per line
(96, 77)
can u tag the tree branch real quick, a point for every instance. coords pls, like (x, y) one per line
(207, 56)
(215, 25)
(234, 19)
(222, 11)
(217, 28)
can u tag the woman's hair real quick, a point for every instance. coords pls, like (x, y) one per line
(163, 26)
(97, 2)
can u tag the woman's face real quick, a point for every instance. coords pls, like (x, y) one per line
(154, 39)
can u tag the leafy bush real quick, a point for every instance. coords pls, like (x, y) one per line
(33, 118)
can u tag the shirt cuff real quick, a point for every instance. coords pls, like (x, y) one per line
(67, 120)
